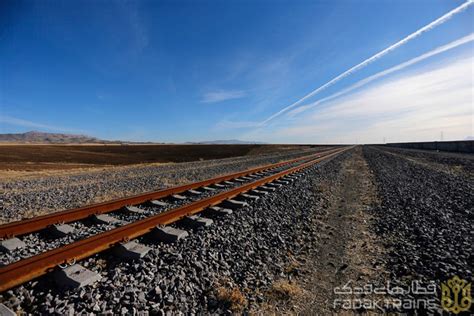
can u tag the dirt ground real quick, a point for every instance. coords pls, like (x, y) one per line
(41, 160)
(66, 157)
(346, 251)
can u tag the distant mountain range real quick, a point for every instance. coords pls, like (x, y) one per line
(37, 137)
(226, 142)
(48, 138)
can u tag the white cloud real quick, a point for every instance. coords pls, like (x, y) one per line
(363, 82)
(222, 95)
(296, 111)
(375, 57)
(414, 106)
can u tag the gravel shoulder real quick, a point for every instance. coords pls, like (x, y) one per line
(453, 164)
(425, 216)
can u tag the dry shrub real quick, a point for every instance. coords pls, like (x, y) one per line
(285, 290)
(232, 298)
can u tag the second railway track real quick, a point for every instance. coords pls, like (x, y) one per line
(195, 201)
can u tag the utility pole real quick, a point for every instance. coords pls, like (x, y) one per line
(442, 136)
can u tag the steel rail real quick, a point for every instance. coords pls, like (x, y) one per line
(27, 269)
(34, 224)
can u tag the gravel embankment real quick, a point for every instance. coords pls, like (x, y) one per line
(230, 265)
(32, 197)
(426, 216)
(450, 163)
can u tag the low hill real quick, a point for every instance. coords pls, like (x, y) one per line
(48, 138)
(37, 137)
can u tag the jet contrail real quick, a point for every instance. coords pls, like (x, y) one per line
(366, 62)
(464, 40)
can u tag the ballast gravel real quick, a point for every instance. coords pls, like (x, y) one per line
(33, 197)
(426, 216)
(248, 249)
(42, 241)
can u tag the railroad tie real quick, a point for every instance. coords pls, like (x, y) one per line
(60, 231)
(267, 188)
(208, 189)
(193, 192)
(220, 210)
(107, 219)
(9, 245)
(218, 186)
(273, 185)
(233, 204)
(5, 311)
(131, 250)
(195, 221)
(134, 209)
(178, 197)
(169, 234)
(159, 203)
(248, 197)
(76, 276)
(259, 192)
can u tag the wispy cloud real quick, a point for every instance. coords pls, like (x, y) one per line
(416, 106)
(223, 95)
(25, 123)
(363, 82)
(375, 57)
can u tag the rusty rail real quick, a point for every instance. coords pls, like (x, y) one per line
(37, 223)
(25, 270)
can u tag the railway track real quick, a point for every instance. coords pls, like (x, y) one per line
(151, 212)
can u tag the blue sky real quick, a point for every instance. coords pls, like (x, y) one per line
(177, 71)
